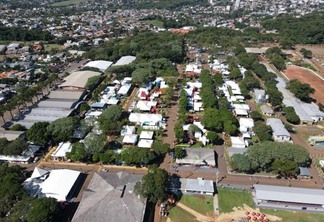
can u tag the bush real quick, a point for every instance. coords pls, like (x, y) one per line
(291, 115)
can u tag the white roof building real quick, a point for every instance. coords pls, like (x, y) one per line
(198, 156)
(58, 184)
(127, 130)
(238, 142)
(61, 150)
(146, 135)
(246, 124)
(279, 132)
(289, 197)
(125, 60)
(142, 118)
(144, 143)
(130, 138)
(102, 65)
(145, 105)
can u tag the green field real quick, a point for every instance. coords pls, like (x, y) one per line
(229, 198)
(68, 2)
(289, 216)
(199, 203)
(177, 214)
(156, 23)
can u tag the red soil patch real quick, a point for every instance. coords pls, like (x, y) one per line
(305, 76)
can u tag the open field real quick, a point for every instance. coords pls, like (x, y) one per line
(306, 131)
(290, 216)
(306, 76)
(68, 2)
(49, 47)
(177, 214)
(229, 198)
(318, 56)
(201, 204)
(156, 23)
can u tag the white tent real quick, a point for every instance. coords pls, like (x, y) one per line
(146, 135)
(143, 143)
(130, 138)
(237, 142)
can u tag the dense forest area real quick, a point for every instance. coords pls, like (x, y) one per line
(20, 34)
(144, 46)
(307, 29)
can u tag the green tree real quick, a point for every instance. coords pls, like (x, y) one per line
(291, 115)
(61, 130)
(44, 210)
(38, 133)
(178, 131)
(141, 75)
(301, 90)
(235, 74)
(306, 53)
(154, 185)
(285, 168)
(78, 152)
(213, 137)
(262, 131)
(179, 153)
(15, 147)
(241, 163)
(95, 143)
(256, 116)
(160, 148)
(110, 119)
(137, 156)
(18, 127)
(212, 120)
(93, 82)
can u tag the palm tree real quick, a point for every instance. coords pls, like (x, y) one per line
(2, 112)
(10, 106)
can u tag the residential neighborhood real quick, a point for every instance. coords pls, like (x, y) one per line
(167, 111)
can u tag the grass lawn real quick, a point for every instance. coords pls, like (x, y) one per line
(289, 216)
(68, 2)
(199, 203)
(49, 47)
(306, 131)
(229, 198)
(176, 214)
(156, 23)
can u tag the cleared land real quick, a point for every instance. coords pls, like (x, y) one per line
(69, 2)
(306, 76)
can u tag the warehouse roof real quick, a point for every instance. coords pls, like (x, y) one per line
(289, 194)
(102, 65)
(125, 60)
(64, 94)
(78, 79)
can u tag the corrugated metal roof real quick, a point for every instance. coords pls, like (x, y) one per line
(289, 194)
(277, 127)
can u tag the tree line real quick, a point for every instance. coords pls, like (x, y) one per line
(22, 34)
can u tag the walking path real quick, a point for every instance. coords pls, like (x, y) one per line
(198, 216)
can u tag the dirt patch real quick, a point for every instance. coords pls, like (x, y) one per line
(306, 76)
(240, 213)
